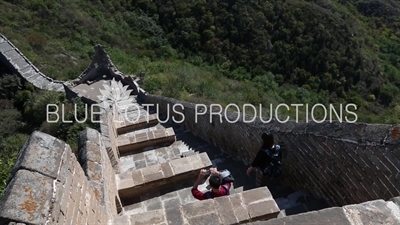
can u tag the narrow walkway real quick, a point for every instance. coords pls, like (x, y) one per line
(13, 58)
(187, 144)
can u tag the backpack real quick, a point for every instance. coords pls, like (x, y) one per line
(273, 169)
(226, 178)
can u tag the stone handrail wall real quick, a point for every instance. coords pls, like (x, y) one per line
(371, 212)
(348, 163)
(13, 58)
(95, 161)
(109, 135)
(49, 186)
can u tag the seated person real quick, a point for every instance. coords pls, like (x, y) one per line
(218, 187)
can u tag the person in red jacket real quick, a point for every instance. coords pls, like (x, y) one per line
(218, 188)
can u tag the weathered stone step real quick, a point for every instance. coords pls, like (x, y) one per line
(251, 205)
(133, 124)
(131, 111)
(138, 141)
(144, 130)
(154, 156)
(371, 212)
(171, 197)
(137, 182)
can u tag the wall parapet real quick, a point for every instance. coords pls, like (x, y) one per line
(48, 185)
(372, 212)
(109, 137)
(16, 61)
(96, 164)
(346, 162)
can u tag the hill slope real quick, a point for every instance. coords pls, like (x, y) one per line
(289, 51)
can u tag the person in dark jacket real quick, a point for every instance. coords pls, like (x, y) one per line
(268, 160)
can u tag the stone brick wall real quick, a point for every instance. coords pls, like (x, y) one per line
(49, 186)
(96, 164)
(16, 61)
(348, 163)
(372, 212)
(109, 134)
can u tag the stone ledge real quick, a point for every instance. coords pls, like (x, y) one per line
(147, 139)
(152, 217)
(136, 182)
(372, 212)
(221, 210)
(142, 122)
(41, 153)
(27, 198)
(251, 205)
(97, 164)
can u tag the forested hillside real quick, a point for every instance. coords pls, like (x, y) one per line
(234, 51)
(279, 51)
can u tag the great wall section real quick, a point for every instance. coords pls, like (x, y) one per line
(141, 172)
(13, 58)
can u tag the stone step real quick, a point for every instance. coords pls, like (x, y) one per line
(171, 197)
(131, 113)
(250, 205)
(158, 126)
(371, 212)
(181, 146)
(138, 141)
(152, 178)
(179, 194)
(152, 156)
(128, 125)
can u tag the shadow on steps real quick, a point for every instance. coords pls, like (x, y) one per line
(294, 202)
(287, 199)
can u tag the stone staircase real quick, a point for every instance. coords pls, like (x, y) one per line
(158, 166)
(159, 162)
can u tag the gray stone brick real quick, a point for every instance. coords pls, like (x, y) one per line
(172, 203)
(198, 208)
(27, 198)
(331, 216)
(225, 210)
(209, 219)
(140, 164)
(138, 156)
(88, 134)
(374, 212)
(41, 153)
(122, 220)
(153, 204)
(186, 196)
(152, 217)
(90, 151)
(174, 215)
